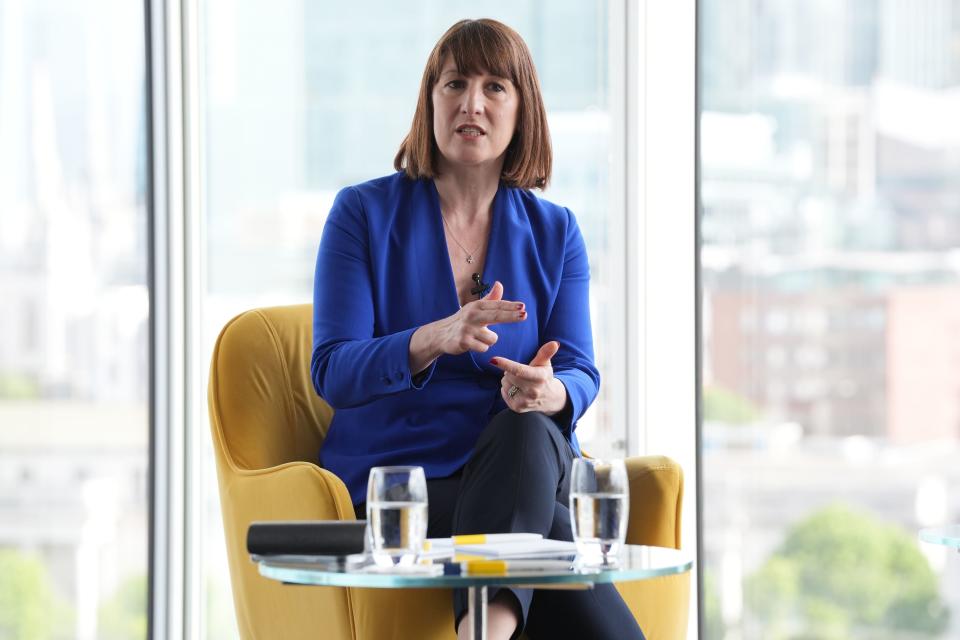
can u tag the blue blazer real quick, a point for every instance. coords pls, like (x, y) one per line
(383, 271)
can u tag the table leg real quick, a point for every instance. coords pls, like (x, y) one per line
(477, 611)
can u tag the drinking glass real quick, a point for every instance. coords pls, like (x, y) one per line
(598, 509)
(396, 514)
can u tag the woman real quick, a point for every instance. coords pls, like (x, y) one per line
(452, 328)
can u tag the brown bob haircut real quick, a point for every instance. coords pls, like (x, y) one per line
(479, 46)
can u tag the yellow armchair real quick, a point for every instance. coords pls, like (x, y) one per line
(267, 424)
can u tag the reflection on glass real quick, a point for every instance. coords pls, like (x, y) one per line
(303, 98)
(831, 304)
(73, 332)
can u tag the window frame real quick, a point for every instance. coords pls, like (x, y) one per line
(175, 269)
(662, 204)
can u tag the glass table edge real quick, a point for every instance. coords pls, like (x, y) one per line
(318, 577)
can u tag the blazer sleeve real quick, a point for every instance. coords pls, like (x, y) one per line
(349, 365)
(569, 324)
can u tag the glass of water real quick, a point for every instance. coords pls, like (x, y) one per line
(396, 514)
(598, 509)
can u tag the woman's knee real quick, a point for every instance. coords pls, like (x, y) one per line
(509, 425)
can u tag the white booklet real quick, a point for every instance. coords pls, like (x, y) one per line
(499, 545)
(542, 548)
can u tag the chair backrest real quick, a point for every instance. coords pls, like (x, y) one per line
(267, 425)
(656, 501)
(262, 399)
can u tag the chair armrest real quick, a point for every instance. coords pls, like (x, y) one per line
(291, 491)
(656, 498)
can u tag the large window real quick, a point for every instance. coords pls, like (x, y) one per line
(299, 99)
(831, 221)
(74, 320)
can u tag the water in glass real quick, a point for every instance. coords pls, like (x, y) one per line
(398, 529)
(396, 514)
(598, 509)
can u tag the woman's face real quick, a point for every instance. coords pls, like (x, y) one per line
(474, 117)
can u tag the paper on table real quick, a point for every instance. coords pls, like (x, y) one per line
(544, 548)
(482, 538)
(486, 538)
(437, 548)
(334, 563)
(444, 547)
(405, 570)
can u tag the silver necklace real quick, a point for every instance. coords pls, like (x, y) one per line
(460, 244)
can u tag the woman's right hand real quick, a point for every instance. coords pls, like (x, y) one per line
(466, 330)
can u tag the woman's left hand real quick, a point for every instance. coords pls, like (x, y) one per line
(532, 387)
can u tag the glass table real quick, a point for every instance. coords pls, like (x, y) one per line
(636, 563)
(948, 535)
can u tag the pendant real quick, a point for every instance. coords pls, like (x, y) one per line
(469, 259)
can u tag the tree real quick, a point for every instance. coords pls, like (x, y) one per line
(712, 616)
(846, 574)
(29, 608)
(16, 386)
(722, 405)
(124, 616)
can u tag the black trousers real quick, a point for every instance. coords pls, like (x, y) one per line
(518, 480)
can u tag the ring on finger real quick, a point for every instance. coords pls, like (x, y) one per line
(512, 391)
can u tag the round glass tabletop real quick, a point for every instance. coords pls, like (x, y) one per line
(948, 535)
(636, 563)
